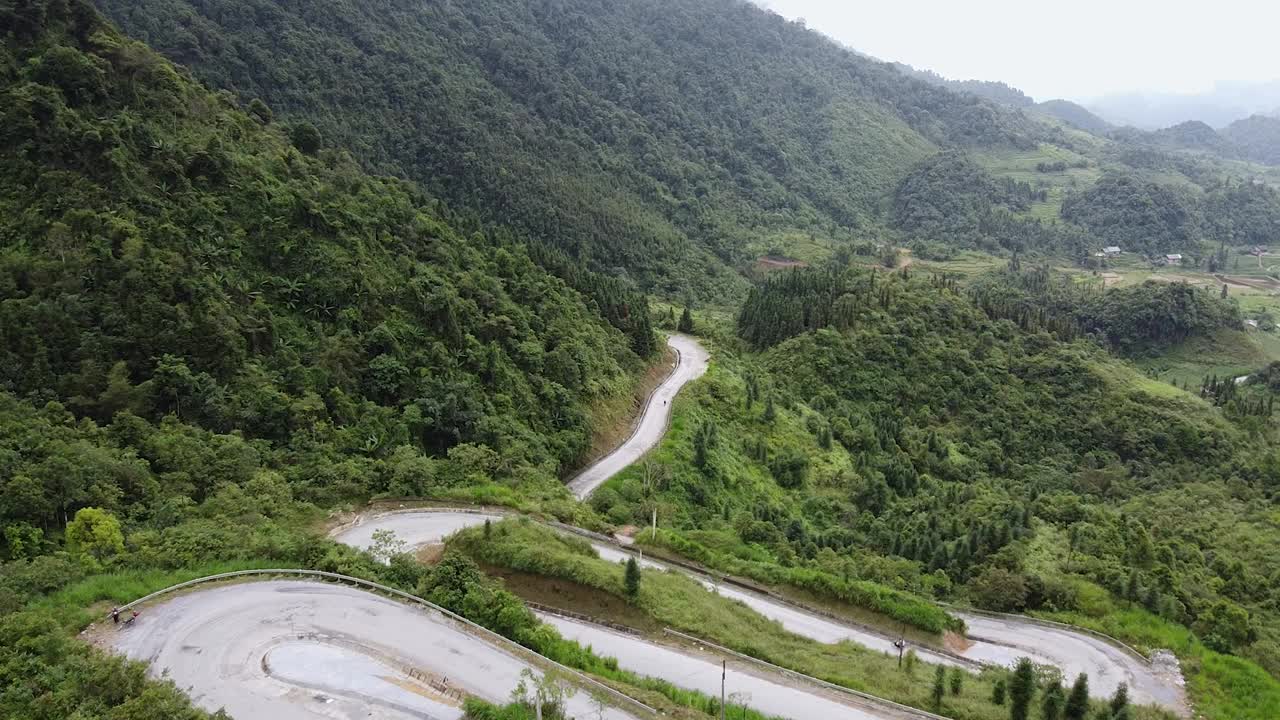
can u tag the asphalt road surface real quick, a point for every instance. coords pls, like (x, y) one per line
(999, 641)
(297, 650)
(771, 697)
(653, 423)
(414, 529)
(1107, 666)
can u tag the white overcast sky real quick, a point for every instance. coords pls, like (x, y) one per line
(1080, 49)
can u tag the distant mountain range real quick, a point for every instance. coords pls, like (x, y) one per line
(1217, 108)
(1245, 134)
(1069, 112)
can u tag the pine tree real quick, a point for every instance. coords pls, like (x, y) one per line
(1120, 700)
(939, 687)
(1022, 687)
(488, 529)
(769, 411)
(957, 680)
(998, 692)
(1078, 701)
(632, 578)
(686, 321)
(1051, 707)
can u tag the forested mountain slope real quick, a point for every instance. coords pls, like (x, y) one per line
(1075, 115)
(1257, 137)
(899, 429)
(166, 257)
(669, 143)
(653, 135)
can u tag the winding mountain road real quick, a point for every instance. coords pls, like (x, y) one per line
(690, 365)
(992, 640)
(999, 641)
(294, 650)
(299, 650)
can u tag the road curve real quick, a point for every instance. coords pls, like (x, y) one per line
(772, 697)
(1004, 640)
(999, 641)
(299, 650)
(690, 365)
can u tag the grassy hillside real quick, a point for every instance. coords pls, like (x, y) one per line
(899, 434)
(671, 600)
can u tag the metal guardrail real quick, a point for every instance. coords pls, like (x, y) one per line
(867, 698)
(512, 648)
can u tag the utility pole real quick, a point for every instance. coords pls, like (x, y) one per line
(724, 669)
(654, 536)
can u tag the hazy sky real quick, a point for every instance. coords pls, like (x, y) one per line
(1079, 50)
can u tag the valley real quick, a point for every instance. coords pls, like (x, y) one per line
(524, 360)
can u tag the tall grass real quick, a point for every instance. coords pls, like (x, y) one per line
(73, 604)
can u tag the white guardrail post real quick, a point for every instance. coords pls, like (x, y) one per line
(511, 647)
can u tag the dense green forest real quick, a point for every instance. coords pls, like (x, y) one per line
(671, 142)
(167, 255)
(653, 136)
(210, 321)
(1075, 115)
(902, 430)
(216, 324)
(948, 201)
(1131, 321)
(1258, 138)
(1139, 215)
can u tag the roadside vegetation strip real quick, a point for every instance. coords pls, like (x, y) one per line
(704, 573)
(858, 694)
(696, 570)
(615, 627)
(700, 571)
(580, 617)
(512, 648)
